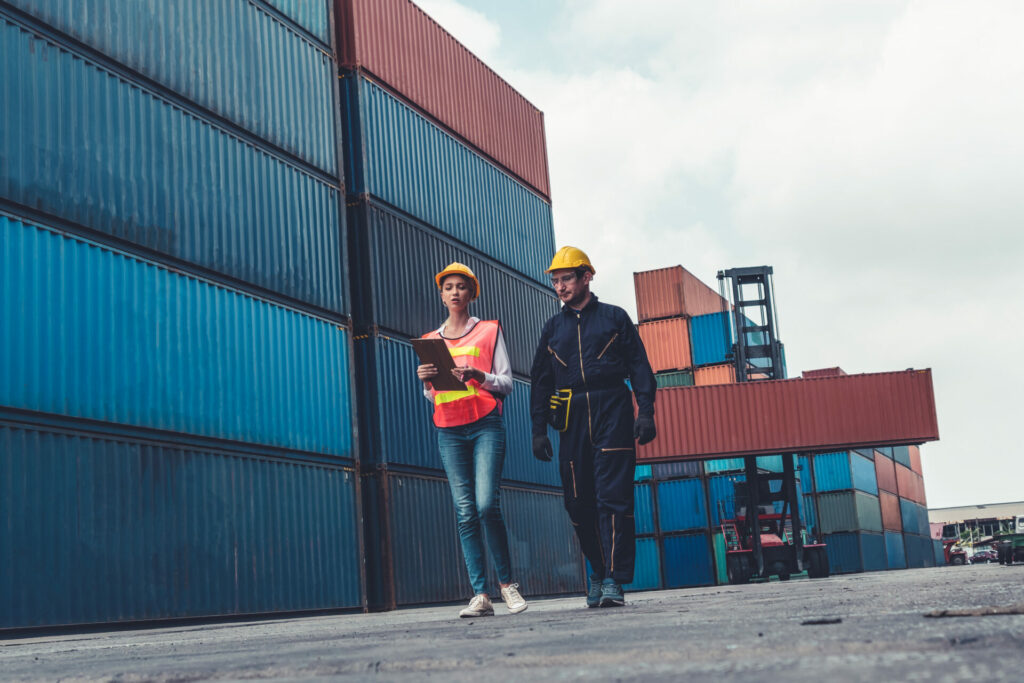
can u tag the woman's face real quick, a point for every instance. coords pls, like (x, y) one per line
(456, 291)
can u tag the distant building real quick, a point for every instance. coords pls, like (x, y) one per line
(981, 520)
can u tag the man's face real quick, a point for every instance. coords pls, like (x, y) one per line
(572, 290)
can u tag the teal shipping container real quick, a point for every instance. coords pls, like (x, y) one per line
(849, 511)
(895, 552)
(681, 378)
(107, 336)
(642, 473)
(855, 552)
(643, 508)
(104, 528)
(711, 338)
(688, 561)
(843, 471)
(681, 505)
(647, 570)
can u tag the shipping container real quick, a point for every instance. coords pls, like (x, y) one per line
(885, 473)
(677, 470)
(111, 337)
(849, 511)
(642, 473)
(233, 59)
(711, 338)
(909, 485)
(400, 157)
(647, 568)
(721, 573)
(414, 555)
(681, 505)
(868, 453)
(147, 170)
(809, 514)
(643, 508)
(855, 552)
(724, 465)
(892, 519)
(688, 561)
(885, 451)
(104, 528)
(806, 414)
(938, 552)
(901, 454)
(823, 372)
(714, 374)
(920, 552)
(312, 15)
(394, 260)
(895, 553)
(396, 424)
(844, 470)
(667, 343)
(804, 471)
(444, 79)
(914, 518)
(673, 292)
(722, 497)
(915, 459)
(681, 378)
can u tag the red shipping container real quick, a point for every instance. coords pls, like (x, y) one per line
(891, 518)
(399, 44)
(714, 374)
(672, 292)
(667, 343)
(763, 418)
(915, 459)
(885, 472)
(906, 484)
(823, 372)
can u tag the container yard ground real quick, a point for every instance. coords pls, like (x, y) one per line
(851, 627)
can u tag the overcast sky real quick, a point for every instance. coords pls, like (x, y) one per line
(870, 151)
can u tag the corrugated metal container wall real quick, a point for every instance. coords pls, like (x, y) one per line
(394, 263)
(905, 483)
(131, 530)
(688, 561)
(677, 470)
(721, 575)
(683, 378)
(642, 473)
(724, 465)
(312, 15)
(681, 505)
(808, 414)
(714, 374)
(545, 553)
(849, 511)
(939, 553)
(910, 516)
(891, 518)
(868, 453)
(444, 79)
(114, 338)
(232, 58)
(803, 469)
(855, 552)
(192, 190)
(844, 470)
(822, 372)
(915, 459)
(885, 474)
(711, 338)
(647, 569)
(396, 426)
(809, 514)
(722, 496)
(919, 551)
(894, 550)
(667, 343)
(674, 291)
(885, 451)
(402, 158)
(873, 552)
(901, 454)
(643, 508)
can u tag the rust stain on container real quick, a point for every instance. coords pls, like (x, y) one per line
(763, 418)
(667, 343)
(891, 520)
(399, 44)
(708, 375)
(674, 291)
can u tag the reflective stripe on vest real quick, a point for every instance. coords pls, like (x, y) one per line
(474, 349)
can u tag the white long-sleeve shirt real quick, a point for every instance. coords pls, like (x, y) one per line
(499, 381)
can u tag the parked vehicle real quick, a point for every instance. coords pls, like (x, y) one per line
(984, 555)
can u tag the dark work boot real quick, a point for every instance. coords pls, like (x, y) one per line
(611, 594)
(594, 593)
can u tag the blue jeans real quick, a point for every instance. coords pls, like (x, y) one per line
(473, 456)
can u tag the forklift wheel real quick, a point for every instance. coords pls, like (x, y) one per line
(735, 570)
(783, 577)
(817, 564)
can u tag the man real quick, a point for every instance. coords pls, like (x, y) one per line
(586, 353)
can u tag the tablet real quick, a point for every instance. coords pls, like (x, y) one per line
(435, 352)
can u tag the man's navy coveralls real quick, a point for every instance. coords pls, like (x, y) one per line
(593, 352)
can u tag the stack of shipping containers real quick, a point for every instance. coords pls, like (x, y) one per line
(445, 162)
(176, 427)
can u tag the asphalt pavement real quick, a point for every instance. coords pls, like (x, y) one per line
(941, 624)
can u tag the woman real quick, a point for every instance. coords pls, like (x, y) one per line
(471, 434)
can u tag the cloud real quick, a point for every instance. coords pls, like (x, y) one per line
(471, 28)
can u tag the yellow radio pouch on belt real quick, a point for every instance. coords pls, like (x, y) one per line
(558, 415)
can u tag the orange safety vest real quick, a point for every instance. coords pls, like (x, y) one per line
(476, 349)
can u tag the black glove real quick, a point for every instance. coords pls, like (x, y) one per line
(643, 430)
(542, 447)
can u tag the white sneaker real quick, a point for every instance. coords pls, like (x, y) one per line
(513, 600)
(479, 606)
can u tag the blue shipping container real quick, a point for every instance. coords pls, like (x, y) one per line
(677, 470)
(939, 551)
(804, 472)
(394, 263)
(101, 528)
(721, 496)
(397, 426)
(90, 147)
(894, 550)
(111, 337)
(901, 454)
(914, 518)
(399, 156)
(843, 471)
(312, 15)
(681, 505)
(232, 58)
(643, 508)
(642, 473)
(855, 552)
(919, 551)
(711, 338)
(647, 570)
(688, 561)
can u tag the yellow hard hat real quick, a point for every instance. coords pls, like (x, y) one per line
(571, 257)
(456, 268)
